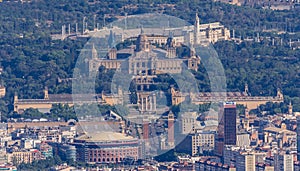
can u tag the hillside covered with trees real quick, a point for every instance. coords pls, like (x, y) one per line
(31, 60)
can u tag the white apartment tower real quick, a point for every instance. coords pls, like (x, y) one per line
(284, 162)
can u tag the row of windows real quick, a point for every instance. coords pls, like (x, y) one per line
(168, 68)
(204, 140)
(106, 159)
(112, 154)
(111, 150)
(203, 143)
(188, 120)
(203, 137)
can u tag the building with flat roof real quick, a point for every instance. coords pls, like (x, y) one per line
(188, 122)
(228, 116)
(243, 158)
(198, 143)
(245, 162)
(243, 139)
(24, 156)
(227, 127)
(284, 162)
(211, 165)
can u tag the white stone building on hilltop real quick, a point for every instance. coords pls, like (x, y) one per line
(207, 33)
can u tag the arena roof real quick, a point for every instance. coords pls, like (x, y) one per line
(104, 136)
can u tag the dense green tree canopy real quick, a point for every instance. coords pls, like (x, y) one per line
(31, 60)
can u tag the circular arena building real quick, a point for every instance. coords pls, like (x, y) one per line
(106, 147)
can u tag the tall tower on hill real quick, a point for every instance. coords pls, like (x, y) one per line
(171, 141)
(197, 29)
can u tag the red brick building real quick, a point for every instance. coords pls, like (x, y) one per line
(106, 147)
